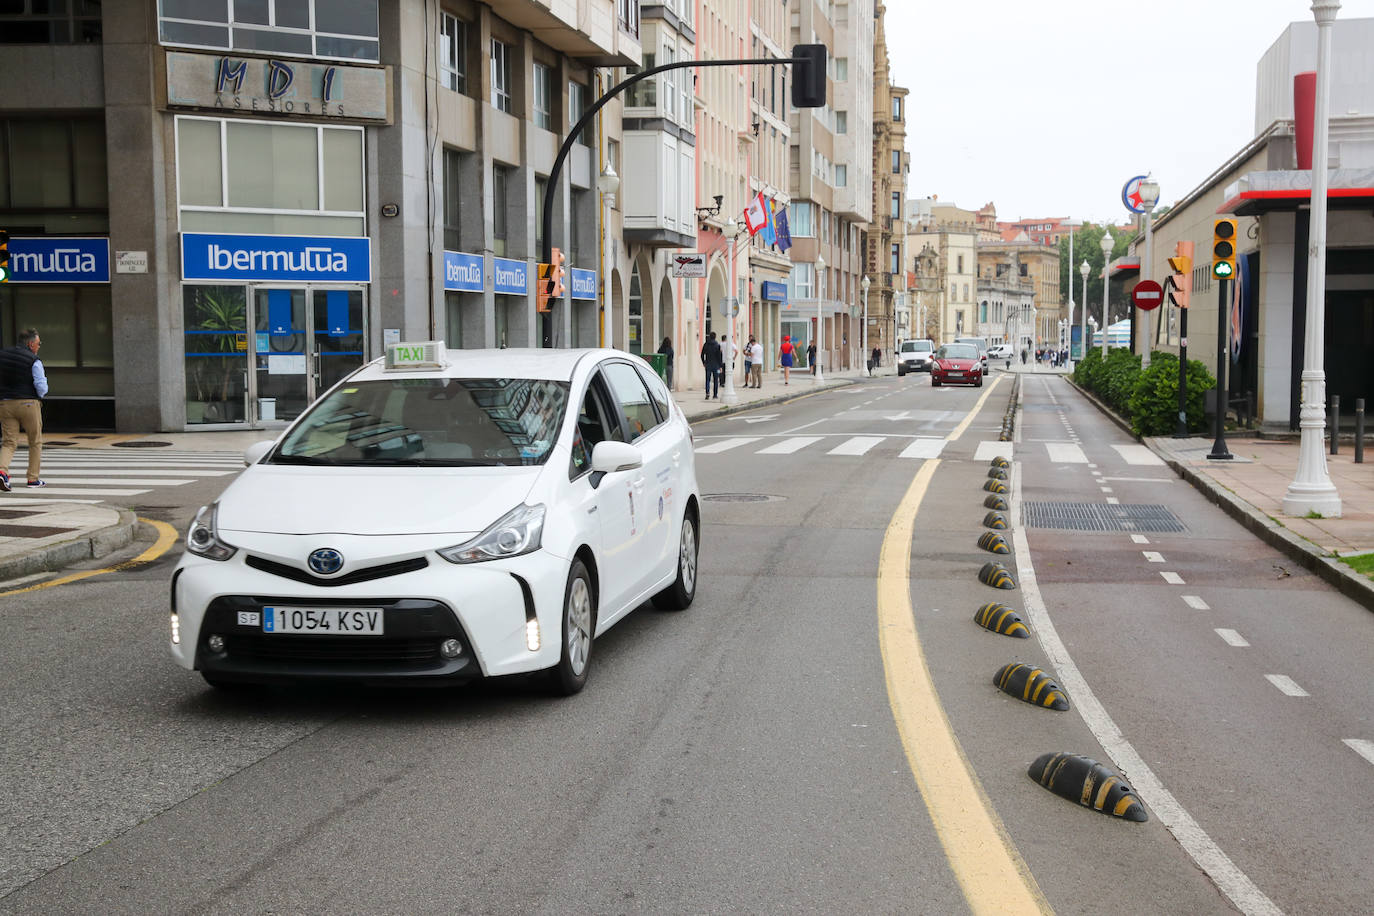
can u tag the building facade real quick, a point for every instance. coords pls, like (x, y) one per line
(886, 252)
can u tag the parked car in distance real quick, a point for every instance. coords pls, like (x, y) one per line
(1000, 351)
(445, 515)
(956, 364)
(982, 344)
(915, 355)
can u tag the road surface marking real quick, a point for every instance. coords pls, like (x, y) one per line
(1362, 747)
(724, 445)
(1139, 479)
(1286, 684)
(1153, 556)
(1138, 454)
(858, 445)
(1232, 638)
(1113, 501)
(788, 446)
(1196, 603)
(1172, 578)
(1106, 489)
(1065, 453)
(1203, 850)
(59, 478)
(59, 490)
(190, 473)
(1140, 539)
(987, 866)
(988, 450)
(924, 448)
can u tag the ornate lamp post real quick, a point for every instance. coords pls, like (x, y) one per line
(730, 395)
(1149, 196)
(608, 182)
(1083, 342)
(1107, 242)
(863, 328)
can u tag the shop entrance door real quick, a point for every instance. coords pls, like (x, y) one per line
(306, 339)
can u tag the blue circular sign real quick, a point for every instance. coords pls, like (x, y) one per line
(1130, 195)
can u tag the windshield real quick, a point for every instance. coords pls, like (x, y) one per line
(429, 422)
(958, 351)
(916, 346)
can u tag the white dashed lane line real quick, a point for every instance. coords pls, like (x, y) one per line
(1172, 578)
(1196, 603)
(1286, 684)
(1362, 747)
(1232, 638)
(1154, 556)
(1140, 539)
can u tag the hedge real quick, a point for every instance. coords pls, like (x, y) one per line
(1147, 398)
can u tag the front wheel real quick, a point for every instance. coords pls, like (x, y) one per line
(679, 595)
(934, 382)
(579, 618)
(900, 372)
(979, 383)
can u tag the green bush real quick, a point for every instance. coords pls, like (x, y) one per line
(1153, 404)
(1121, 370)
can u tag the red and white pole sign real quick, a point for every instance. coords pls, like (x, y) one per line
(1147, 295)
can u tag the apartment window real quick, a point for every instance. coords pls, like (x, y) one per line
(841, 176)
(453, 53)
(801, 282)
(452, 200)
(577, 107)
(41, 22)
(307, 28)
(643, 94)
(841, 122)
(543, 107)
(628, 16)
(895, 259)
(840, 71)
(896, 162)
(801, 219)
(669, 85)
(841, 15)
(57, 164)
(541, 191)
(896, 204)
(500, 201)
(961, 264)
(500, 76)
(897, 108)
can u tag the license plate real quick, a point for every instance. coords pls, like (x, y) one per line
(955, 372)
(328, 621)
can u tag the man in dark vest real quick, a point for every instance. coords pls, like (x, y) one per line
(23, 385)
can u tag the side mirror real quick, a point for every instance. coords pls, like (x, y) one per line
(255, 452)
(610, 456)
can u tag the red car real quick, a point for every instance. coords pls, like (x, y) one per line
(956, 364)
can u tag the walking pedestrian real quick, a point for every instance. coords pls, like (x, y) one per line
(714, 361)
(786, 358)
(811, 357)
(756, 362)
(23, 385)
(748, 360)
(666, 348)
(877, 355)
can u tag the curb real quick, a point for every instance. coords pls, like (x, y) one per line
(1272, 532)
(92, 545)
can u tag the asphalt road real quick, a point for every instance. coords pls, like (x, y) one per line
(746, 755)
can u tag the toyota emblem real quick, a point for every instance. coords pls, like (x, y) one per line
(326, 561)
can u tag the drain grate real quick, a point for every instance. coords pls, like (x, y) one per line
(140, 443)
(1101, 517)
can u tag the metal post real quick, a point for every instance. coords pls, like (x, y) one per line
(1359, 430)
(1181, 430)
(1334, 423)
(1219, 449)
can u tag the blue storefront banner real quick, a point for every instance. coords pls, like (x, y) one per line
(462, 272)
(583, 284)
(510, 277)
(331, 259)
(60, 260)
(774, 291)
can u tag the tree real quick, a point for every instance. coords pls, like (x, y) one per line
(1087, 246)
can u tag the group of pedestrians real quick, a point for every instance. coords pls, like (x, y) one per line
(23, 385)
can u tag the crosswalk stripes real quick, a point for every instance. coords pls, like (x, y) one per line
(924, 448)
(788, 446)
(1138, 455)
(95, 475)
(857, 445)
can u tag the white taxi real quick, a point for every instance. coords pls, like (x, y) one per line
(443, 515)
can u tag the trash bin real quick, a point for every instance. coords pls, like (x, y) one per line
(660, 363)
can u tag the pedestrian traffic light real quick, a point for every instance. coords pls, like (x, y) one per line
(4, 258)
(1180, 282)
(1224, 249)
(556, 275)
(808, 76)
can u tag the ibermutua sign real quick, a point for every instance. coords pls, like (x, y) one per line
(208, 256)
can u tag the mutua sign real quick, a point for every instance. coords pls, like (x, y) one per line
(60, 260)
(320, 259)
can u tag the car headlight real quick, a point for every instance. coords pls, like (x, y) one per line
(202, 538)
(518, 531)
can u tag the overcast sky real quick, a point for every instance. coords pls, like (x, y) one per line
(1053, 122)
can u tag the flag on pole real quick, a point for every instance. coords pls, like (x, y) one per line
(755, 215)
(769, 238)
(780, 230)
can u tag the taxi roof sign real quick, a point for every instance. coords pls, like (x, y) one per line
(417, 354)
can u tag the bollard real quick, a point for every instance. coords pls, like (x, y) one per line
(1335, 421)
(1359, 430)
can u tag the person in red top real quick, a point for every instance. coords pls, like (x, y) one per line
(787, 351)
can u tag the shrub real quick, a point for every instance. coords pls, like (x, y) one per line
(1153, 403)
(1121, 370)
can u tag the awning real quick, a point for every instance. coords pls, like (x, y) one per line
(1263, 192)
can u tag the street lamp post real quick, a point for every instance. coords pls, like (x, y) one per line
(1072, 224)
(1084, 343)
(730, 396)
(1149, 196)
(1312, 489)
(608, 182)
(820, 326)
(863, 328)
(1107, 241)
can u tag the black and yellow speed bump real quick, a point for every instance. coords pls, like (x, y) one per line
(996, 503)
(997, 473)
(1026, 682)
(995, 520)
(996, 575)
(1091, 784)
(994, 486)
(1000, 462)
(993, 542)
(1001, 619)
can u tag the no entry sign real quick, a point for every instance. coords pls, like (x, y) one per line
(1147, 295)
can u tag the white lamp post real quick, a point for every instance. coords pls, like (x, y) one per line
(1072, 224)
(863, 329)
(608, 182)
(820, 326)
(730, 396)
(1149, 196)
(1107, 241)
(1083, 341)
(1312, 489)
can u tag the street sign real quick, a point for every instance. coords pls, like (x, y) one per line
(1130, 194)
(1147, 295)
(691, 265)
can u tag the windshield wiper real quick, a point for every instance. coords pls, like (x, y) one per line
(300, 459)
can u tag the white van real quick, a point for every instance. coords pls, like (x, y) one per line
(982, 344)
(915, 356)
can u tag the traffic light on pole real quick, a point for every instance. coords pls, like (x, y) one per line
(808, 76)
(1181, 275)
(541, 288)
(556, 275)
(4, 256)
(1224, 249)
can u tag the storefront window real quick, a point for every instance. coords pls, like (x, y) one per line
(216, 346)
(74, 322)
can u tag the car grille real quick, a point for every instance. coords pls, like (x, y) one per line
(333, 651)
(367, 574)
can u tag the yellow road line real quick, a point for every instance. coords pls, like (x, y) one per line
(987, 866)
(964, 424)
(166, 537)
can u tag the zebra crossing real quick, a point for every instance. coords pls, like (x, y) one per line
(97, 475)
(921, 447)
